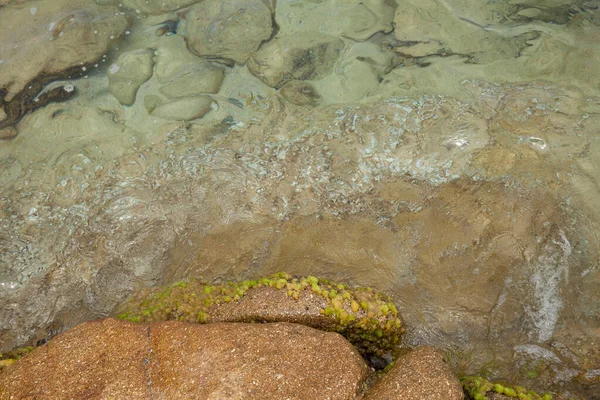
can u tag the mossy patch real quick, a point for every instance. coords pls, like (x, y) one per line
(12, 356)
(367, 318)
(477, 388)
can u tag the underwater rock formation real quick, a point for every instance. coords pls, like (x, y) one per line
(53, 40)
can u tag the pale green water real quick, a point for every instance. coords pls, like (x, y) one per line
(445, 152)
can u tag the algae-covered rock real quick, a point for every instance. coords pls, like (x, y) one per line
(420, 374)
(232, 30)
(111, 359)
(479, 388)
(306, 56)
(365, 317)
(128, 72)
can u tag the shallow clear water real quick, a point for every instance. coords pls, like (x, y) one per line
(443, 151)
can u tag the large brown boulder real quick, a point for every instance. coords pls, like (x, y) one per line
(232, 30)
(176, 360)
(421, 374)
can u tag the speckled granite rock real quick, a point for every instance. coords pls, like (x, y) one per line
(421, 374)
(174, 360)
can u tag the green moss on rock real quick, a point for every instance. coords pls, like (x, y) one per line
(477, 388)
(364, 316)
(13, 356)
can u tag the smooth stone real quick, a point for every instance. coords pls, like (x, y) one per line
(307, 56)
(185, 109)
(300, 93)
(367, 18)
(427, 27)
(231, 30)
(111, 359)
(183, 74)
(128, 72)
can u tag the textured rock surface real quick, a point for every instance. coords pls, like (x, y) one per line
(368, 319)
(232, 30)
(420, 374)
(95, 360)
(301, 57)
(354, 19)
(174, 360)
(391, 195)
(426, 27)
(128, 72)
(51, 40)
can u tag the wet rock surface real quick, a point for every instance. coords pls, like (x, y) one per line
(128, 72)
(368, 319)
(299, 57)
(232, 30)
(51, 45)
(451, 178)
(175, 360)
(420, 374)
(183, 74)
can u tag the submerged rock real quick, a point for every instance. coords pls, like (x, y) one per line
(128, 72)
(232, 30)
(420, 374)
(182, 74)
(366, 318)
(308, 56)
(175, 360)
(54, 39)
(185, 109)
(429, 27)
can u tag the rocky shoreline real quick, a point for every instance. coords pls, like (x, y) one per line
(447, 157)
(254, 339)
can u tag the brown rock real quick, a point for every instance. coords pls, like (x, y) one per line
(271, 305)
(97, 359)
(252, 361)
(175, 360)
(421, 374)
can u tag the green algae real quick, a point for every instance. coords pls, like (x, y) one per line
(477, 388)
(13, 356)
(367, 318)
